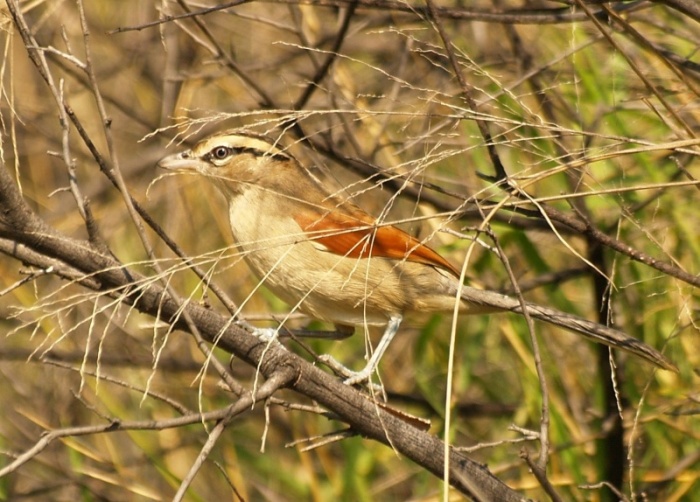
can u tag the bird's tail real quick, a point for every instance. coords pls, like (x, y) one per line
(482, 300)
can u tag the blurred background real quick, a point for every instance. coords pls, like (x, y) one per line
(593, 112)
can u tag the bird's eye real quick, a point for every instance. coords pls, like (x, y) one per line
(220, 152)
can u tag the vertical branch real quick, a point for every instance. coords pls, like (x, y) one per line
(610, 448)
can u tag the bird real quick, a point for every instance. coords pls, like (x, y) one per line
(322, 254)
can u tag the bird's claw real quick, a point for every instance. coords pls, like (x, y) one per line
(350, 377)
(267, 335)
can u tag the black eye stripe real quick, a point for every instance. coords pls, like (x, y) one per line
(223, 151)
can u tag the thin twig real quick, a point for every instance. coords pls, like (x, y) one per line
(264, 391)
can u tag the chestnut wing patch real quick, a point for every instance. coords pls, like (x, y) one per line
(356, 237)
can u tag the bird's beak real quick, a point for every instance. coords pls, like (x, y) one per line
(183, 161)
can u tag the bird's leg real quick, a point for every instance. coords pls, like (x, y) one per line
(354, 377)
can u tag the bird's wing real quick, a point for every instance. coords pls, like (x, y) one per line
(357, 235)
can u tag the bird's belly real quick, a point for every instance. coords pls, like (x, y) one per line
(329, 287)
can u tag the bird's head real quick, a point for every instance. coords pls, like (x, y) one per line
(233, 161)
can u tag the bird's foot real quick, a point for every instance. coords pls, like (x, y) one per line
(267, 335)
(351, 377)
